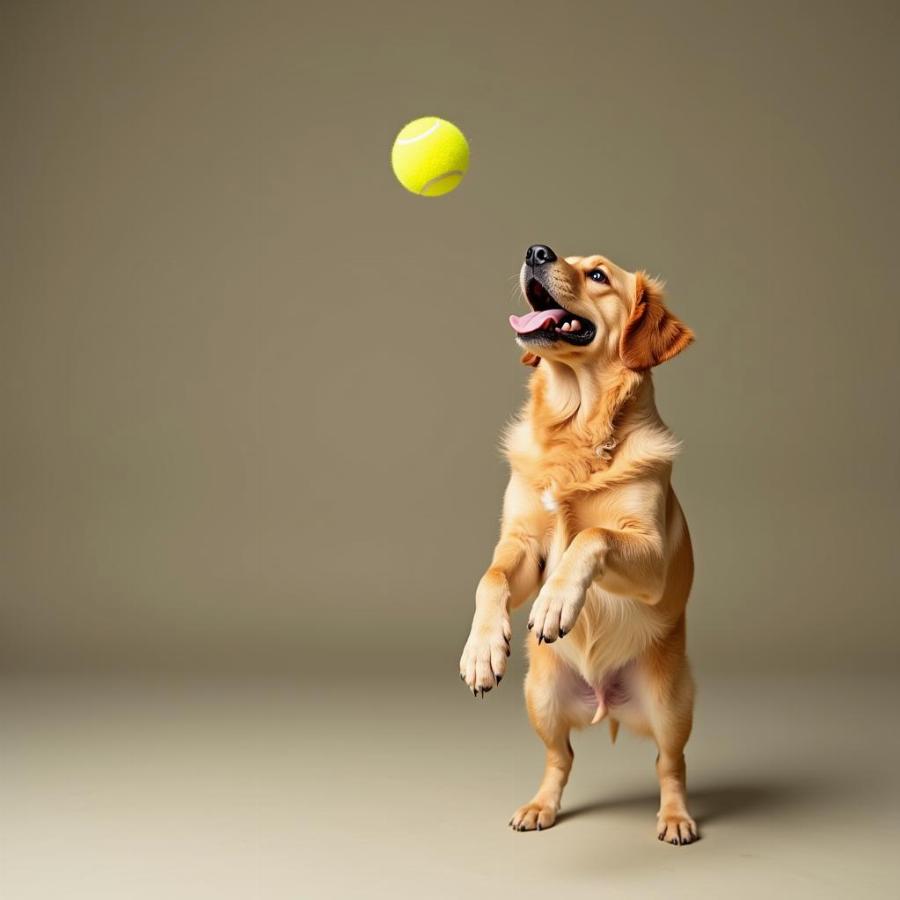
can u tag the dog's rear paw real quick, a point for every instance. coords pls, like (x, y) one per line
(534, 816)
(678, 829)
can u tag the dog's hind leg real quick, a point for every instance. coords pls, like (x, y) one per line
(548, 695)
(669, 703)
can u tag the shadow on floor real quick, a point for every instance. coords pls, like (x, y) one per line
(713, 804)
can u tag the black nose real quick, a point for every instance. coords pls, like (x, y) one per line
(538, 254)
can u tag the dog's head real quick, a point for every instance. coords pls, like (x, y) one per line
(585, 309)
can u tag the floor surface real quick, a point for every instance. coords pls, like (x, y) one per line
(270, 789)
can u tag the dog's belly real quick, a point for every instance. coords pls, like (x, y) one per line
(610, 635)
(610, 632)
(593, 701)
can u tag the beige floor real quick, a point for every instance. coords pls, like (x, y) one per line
(275, 789)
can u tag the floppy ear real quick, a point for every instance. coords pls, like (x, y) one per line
(529, 359)
(652, 334)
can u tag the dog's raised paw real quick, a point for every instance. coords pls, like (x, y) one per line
(534, 816)
(483, 661)
(555, 610)
(677, 828)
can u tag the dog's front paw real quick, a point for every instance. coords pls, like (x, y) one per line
(555, 610)
(483, 660)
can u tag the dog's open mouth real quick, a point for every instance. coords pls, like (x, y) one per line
(550, 322)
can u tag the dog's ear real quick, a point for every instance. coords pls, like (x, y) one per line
(652, 334)
(530, 359)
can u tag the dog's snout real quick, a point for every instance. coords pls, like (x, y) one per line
(539, 255)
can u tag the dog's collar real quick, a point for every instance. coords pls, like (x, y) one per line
(604, 450)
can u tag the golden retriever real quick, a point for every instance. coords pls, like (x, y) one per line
(592, 526)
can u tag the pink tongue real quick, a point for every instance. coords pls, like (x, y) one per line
(535, 320)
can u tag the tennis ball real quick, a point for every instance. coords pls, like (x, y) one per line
(430, 156)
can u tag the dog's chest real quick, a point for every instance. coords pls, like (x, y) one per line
(567, 514)
(612, 630)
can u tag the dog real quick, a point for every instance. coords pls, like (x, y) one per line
(592, 526)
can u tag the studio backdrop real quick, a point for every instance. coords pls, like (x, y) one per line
(251, 390)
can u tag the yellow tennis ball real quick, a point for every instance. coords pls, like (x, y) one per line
(430, 156)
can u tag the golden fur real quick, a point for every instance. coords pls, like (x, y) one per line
(592, 526)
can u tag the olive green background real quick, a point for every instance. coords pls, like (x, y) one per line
(250, 396)
(251, 389)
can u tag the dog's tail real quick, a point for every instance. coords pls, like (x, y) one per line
(613, 730)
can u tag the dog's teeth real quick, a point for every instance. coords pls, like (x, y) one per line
(576, 325)
(566, 327)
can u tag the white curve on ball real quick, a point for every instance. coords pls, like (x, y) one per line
(421, 136)
(437, 178)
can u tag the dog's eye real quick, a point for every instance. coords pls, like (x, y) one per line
(598, 275)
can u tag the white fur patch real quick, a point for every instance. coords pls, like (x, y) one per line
(549, 501)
